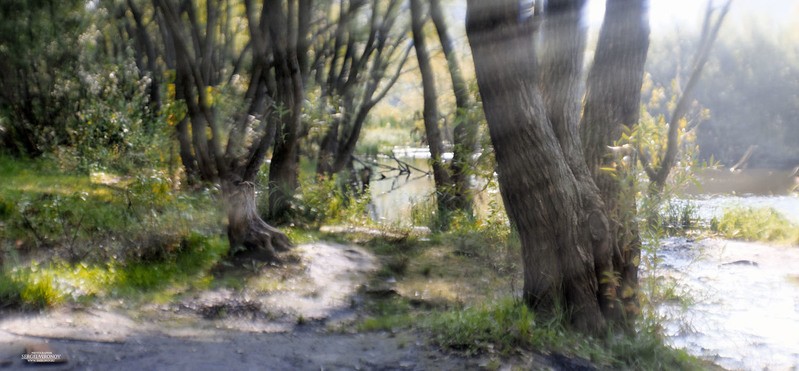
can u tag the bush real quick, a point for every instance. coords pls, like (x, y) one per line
(503, 327)
(328, 201)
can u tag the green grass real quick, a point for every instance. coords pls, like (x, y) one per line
(388, 314)
(70, 237)
(507, 326)
(437, 293)
(40, 285)
(82, 219)
(756, 224)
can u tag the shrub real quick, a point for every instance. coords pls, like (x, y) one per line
(327, 200)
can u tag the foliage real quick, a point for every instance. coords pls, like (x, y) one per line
(503, 326)
(756, 224)
(38, 64)
(650, 137)
(424, 212)
(115, 128)
(73, 99)
(329, 200)
(389, 314)
(678, 216)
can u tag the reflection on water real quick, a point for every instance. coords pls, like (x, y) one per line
(393, 193)
(749, 182)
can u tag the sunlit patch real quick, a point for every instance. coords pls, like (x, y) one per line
(99, 177)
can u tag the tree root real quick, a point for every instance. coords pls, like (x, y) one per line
(250, 236)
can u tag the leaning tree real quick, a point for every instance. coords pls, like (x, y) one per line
(361, 56)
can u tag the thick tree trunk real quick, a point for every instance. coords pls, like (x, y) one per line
(441, 176)
(249, 235)
(539, 188)
(562, 59)
(612, 105)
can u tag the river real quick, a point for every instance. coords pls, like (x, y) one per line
(743, 297)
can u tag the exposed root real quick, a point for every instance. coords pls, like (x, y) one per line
(250, 235)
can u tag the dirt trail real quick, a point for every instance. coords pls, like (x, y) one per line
(284, 327)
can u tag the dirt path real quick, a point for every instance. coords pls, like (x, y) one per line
(297, 350)
(280, 324)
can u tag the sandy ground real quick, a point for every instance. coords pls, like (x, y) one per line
(288, 328)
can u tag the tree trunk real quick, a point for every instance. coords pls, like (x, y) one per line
(328, 149)
(465, 132)
(284, 168)
(249, 235)
(543, 197)
(441, 176)
(612, 105)
(283, 180)
(563, 46)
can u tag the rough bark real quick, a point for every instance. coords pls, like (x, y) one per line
(563, 45)
(441, 176)
(612, 105)
(541, 194)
